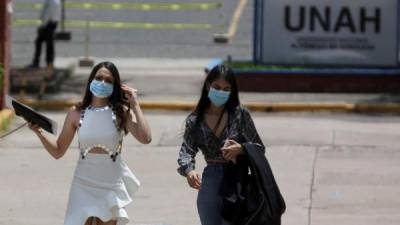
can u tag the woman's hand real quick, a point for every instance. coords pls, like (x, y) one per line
(193, 179)
(131, 94)
(35, 128)
(231, 150)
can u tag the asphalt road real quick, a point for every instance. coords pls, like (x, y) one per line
(131, 43)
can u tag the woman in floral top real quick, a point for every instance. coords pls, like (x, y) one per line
(218, 126)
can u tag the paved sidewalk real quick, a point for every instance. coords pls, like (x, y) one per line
(176, 84)
(332, 169)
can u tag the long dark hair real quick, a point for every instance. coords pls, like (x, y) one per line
(218, 72)
(117, 99)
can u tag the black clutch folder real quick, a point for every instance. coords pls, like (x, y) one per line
(31, 115)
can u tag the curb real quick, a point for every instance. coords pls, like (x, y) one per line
(392, 108)
(5, 118)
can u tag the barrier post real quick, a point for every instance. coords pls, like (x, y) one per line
(5, 15)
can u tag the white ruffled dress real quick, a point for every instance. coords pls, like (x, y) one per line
(103, 185)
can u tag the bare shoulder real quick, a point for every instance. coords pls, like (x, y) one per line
(74, 111)
(73, 116)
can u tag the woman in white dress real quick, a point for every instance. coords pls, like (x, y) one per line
(103, 184)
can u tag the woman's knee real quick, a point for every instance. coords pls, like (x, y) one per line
(89, 221)
(97, 221)
(100, 222)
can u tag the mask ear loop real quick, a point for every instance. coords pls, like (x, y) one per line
(12, 131)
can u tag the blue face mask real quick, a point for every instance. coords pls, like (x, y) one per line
(218, 98)
(101, 89)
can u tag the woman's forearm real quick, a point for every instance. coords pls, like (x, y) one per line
(50, 146)
(143, 128)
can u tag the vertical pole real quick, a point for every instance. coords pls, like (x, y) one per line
(260, 27)
(255, 31)
(5, 15)
(87, 38)
(398, 34)
(86, 61)
(62, 15)
(63, 35)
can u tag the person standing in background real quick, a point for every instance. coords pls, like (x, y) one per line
(49, 16)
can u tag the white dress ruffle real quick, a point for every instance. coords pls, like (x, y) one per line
(100, 188)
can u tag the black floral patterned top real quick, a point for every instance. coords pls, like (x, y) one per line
(240, 128)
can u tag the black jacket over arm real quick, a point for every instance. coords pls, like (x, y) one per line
(249, 190)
